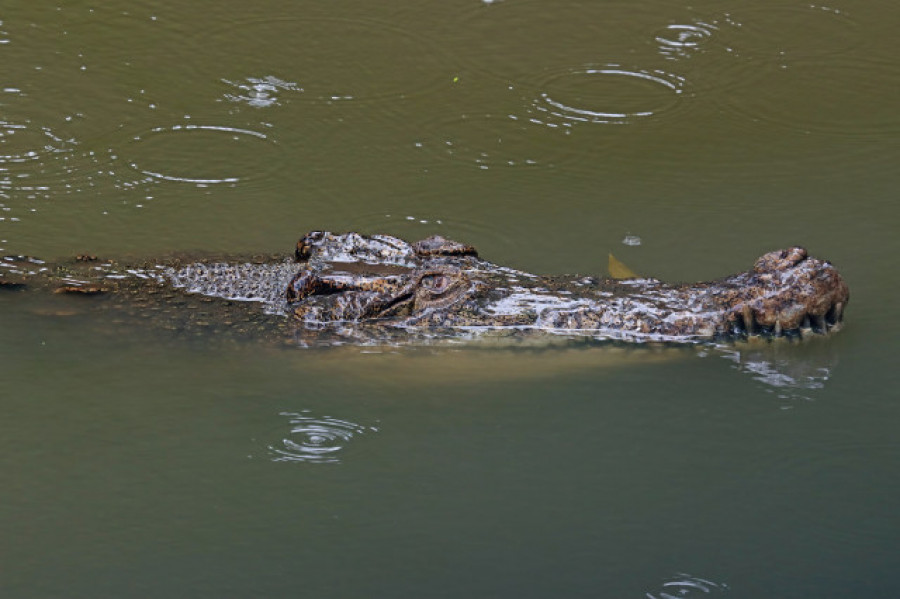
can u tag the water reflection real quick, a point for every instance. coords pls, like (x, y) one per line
(607, 94)
(684, 585)
(789, 370)
(315, 440)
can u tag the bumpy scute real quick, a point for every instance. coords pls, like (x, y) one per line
(785, 292)
(367, 287)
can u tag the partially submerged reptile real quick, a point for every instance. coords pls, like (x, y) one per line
(382, 289)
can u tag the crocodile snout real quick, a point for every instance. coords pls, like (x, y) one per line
(791, 294)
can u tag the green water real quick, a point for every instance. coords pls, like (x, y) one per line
(141, 463)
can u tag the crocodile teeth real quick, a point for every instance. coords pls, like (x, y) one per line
(818, 322)
(778, 330)
(749, 323)
(838, 312)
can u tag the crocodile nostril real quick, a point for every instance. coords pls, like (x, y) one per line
(796, 255)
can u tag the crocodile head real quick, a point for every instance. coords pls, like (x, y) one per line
(345, 295)
(354, 278)
(437, 282)
(785, 292)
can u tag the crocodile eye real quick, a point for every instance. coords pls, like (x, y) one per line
(435, 283)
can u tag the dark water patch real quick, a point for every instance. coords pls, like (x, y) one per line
(604, 94)
(841, 96)
(313, 54)
(203, 154)
(837, 487)
(855, 478)
(315, 440)
(683, 585)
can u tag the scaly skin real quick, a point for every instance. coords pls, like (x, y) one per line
(365, 288)
(442, 284)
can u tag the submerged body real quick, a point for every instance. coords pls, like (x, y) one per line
(369, 288)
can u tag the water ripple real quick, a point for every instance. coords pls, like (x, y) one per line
(684, 585)
(843, 97)
(511, 41)
(400, 221)
(680, 41)
(382, 62)
(315, 440)
(34, 161)
(496, 141)
(260, 92)
(767, 32)
(605, 94)
(214, 154)
(22, 142)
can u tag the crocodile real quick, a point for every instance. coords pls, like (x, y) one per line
(359, 288)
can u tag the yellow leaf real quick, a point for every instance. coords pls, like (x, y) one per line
(617, 270)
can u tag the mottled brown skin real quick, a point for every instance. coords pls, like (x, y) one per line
(445, 285)
(364, 289)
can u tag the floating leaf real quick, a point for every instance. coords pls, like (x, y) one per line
(617, 270)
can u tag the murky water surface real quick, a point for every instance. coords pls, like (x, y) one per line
(686, 138)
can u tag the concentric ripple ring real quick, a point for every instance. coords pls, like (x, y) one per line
(683, 40)
(217, 154)
(315, 440)
(610, 94)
